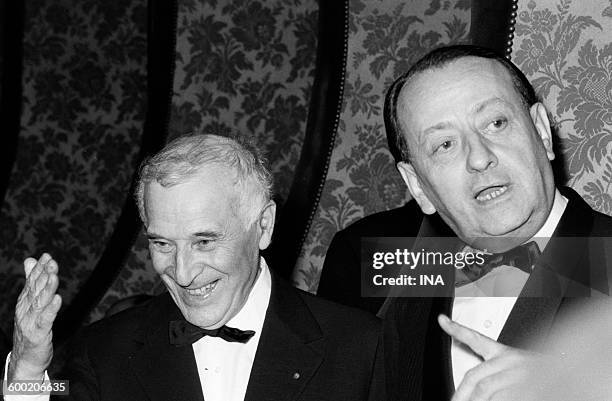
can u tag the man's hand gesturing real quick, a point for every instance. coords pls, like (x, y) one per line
(505, 373)
(36, 309)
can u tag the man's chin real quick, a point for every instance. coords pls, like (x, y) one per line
(199, 316)
(205, 322)
(499, 238)
(496, 244)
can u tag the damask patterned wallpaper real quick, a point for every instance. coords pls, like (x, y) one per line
(245, 64)
(84, 89)
(565, 49)
(385, 37)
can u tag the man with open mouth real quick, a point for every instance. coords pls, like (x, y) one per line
(475, 150)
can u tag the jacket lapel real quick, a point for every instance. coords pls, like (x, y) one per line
(437, 366)
(564, 269)
(166, 372)
(291, 348)
(533, 314)
(426, 358)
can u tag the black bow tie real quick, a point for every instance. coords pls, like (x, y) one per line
(522, 257)
(184, 333)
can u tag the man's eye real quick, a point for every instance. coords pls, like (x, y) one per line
(497, 124)
(444, 146)
(161, 246)
(203, 243)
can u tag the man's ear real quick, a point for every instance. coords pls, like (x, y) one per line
(539, 116)
(266, 224)
(414, 186)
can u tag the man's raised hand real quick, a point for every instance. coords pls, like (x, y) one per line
(505, 373)
(36, 309)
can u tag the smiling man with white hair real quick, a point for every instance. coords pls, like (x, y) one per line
(228, 329)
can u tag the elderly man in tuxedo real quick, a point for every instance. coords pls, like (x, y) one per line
(476, 147)
(227, 329)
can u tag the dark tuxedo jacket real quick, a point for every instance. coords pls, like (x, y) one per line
(418, 362)
(340, 277)
(309, 349)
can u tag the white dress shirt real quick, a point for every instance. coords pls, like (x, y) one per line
(488, 315)
(224, 367)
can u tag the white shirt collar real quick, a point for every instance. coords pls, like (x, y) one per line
(488, 315)
(224, 367)
(546, 231)
(253, 313)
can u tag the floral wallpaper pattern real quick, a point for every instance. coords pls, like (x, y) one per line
(244, 64)
(84, 89)
(385, 37)
(249, 65)
(565, 49)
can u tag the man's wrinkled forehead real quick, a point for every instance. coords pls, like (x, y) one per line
(438, 80)
(200, 183)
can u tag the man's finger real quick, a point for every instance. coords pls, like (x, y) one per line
(52, 267)
(38, 268)
(28, 266)
(39, 274)
(48, 315)
(40, 283)
(486, 379)
(480, 344)
(45, 296)
(34, 273)
(50, 270)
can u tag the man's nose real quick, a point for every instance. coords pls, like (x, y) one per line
(480, 155)
(184, 268)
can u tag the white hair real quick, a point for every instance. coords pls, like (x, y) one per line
(184, 157)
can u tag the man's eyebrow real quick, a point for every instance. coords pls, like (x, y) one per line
(207, 234)
(480, 107)
(199, 234)
(437, 127)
